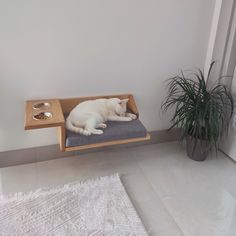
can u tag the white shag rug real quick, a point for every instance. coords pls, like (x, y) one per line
(97, 207)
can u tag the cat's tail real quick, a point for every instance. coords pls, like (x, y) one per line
(70, 126)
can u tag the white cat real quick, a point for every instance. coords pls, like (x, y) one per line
(86, 117)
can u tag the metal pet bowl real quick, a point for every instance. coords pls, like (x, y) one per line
(41, 105)
(43, 116)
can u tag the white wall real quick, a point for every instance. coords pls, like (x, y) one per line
(66, 48)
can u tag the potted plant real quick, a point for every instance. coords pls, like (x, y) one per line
(202, 113)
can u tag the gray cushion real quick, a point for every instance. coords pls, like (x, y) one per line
(114, 131)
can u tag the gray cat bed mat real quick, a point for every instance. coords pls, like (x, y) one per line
(47, 113)
(114, 131)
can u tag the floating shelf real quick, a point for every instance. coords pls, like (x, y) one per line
(48, 113)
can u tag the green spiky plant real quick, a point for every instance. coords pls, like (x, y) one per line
(200, 112)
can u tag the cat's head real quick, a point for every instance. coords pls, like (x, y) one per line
(121, 106)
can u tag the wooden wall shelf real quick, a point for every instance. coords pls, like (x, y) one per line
(58, 108)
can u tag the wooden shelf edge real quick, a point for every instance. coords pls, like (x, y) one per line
(109, 143)
(54, 125)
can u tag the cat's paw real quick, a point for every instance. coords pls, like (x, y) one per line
(98, 132)
(102, 126)
(86, 133)
(133, 116)
(128, 118)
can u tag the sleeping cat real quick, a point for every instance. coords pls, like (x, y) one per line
(86, 117)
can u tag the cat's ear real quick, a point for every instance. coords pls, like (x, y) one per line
(123, 101)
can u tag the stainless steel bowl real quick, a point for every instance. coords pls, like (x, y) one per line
(43, 116)
(41, 105)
